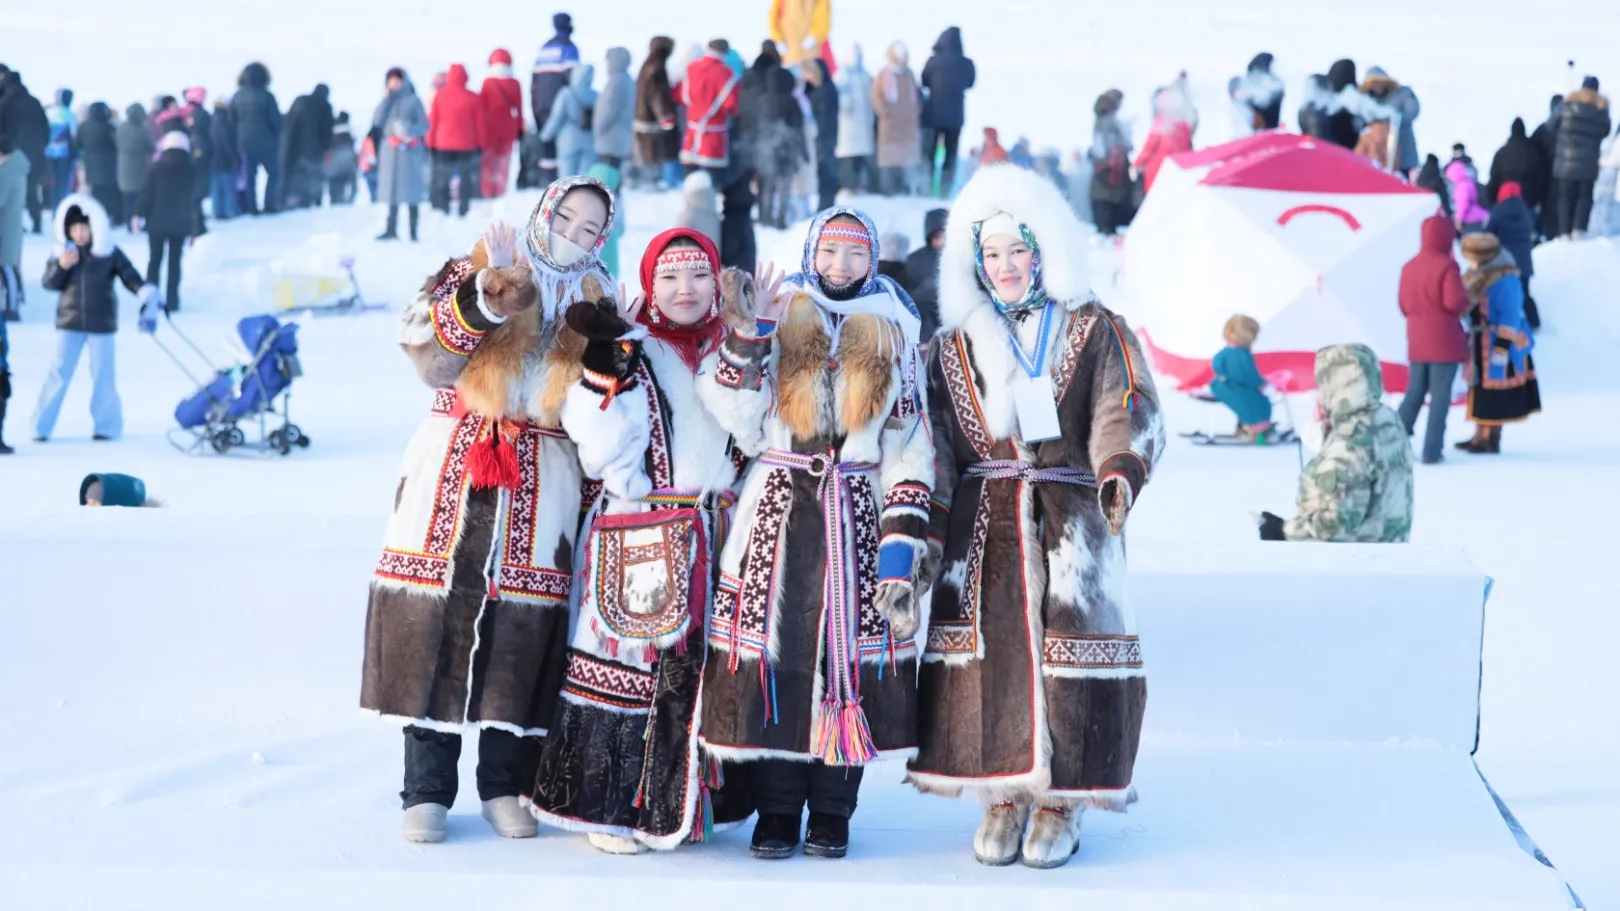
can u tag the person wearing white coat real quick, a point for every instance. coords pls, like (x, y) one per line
(857, 127)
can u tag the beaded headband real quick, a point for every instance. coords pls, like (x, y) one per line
(843, 233)
(683, 260)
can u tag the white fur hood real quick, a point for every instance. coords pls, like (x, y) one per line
(1032, 200)
(101, 240)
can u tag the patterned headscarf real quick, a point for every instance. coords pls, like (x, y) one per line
(843, 233)
(559, 284)
(1003, 223)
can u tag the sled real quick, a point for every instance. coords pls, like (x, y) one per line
(1281, 437)
(322, 295)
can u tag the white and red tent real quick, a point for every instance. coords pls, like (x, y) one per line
(1305, 237)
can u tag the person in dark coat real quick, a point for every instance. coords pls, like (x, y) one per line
(1545, 139)
(1343, 123)
(824, 108)
(737, 246)
(23, 120)
(1521, 161)
(1263, 92)
(551, 71)
(305, 137)
(1318, 106)
(224, 164)
(1110, 153)
(1515, 226)
(258, 136)
(98, 149)
(922, 269)
(202, 147)
(1433, 301)
(136, 146)
(342, 167)
(771, 132)
(658, 136)
(1583, 124)
(167, 209)
(1430, 177)
(946, 78)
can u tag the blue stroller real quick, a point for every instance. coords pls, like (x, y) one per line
(248, 393)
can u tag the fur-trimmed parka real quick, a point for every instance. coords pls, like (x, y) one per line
(1032, 682)
(469, 611)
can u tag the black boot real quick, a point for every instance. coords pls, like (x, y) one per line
(416, 217)
(4, 449)
(826, 836)
(776, 836)
(392, 231)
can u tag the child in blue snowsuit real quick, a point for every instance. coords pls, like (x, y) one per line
(1238, 383)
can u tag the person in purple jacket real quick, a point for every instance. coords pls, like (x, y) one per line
(1460, 177)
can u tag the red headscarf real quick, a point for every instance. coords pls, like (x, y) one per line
(695, 342)
(1508, 190)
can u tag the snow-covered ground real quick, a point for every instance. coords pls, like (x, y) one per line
(211, 697)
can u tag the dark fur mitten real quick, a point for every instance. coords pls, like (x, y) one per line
(606, 353)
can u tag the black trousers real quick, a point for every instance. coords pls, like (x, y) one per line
(450, 165)
(176, 245)
(507, 765)
(931, 139)
(1574, 205)
(37, 194)
(1531, 311)
(785, 787)
(826, 182)
(859, 173)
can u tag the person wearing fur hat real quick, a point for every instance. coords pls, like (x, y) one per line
(84, 271)
(501, 97)
(1583, 124)
(467, 624)
(637, 653)
(167, 209)
(1044, 415)
(812, 656)
(1502, 386)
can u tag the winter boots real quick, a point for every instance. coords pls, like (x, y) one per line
(1046, 838)
(391, 232)
(425, 823)
(996, 843)
(510, 818)
(615, 844)
(776, 836)
(1053, 837)
(827, 835)
(1486, 441)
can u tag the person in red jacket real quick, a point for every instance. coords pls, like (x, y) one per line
(502, 99)
(1433, 300)
(992, 152)
(455, 130)
(709, 93)
(1171, 135)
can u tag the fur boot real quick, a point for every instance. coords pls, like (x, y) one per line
(615, 844)
(996, 843)
(1054, 834)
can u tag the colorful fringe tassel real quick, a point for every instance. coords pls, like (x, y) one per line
(842, 735)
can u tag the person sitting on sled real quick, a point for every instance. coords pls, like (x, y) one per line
(1238, 384)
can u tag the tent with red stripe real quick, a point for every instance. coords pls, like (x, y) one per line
(1306, 237)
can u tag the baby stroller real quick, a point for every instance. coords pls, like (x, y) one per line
(251, 392)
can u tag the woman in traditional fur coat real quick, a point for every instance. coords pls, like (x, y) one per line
(1042, 447)
(812, 664)
(622, 761)
(468, 621)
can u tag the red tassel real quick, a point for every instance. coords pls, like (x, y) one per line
(491, 462)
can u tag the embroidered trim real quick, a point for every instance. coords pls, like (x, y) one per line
(1091, 651)
(608, 682)
(452, 330)
(953, 362)
(909, 498)
(1069, 359)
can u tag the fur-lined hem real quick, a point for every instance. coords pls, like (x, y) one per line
(1114, 800)
(754, 754)
(455, 727)
(1093, 673)
(570, 824)
(995, 789)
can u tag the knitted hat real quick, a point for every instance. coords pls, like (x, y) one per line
(1590, 83)
(1481, 247)
(501, 57)
(1510, 189)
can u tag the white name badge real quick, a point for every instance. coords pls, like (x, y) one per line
(1037, 409)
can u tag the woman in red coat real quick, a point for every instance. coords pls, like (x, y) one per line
(455, 123)
(1171, 135)
(502, 100)
(1433, 301)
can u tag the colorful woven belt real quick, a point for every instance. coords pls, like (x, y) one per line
(842, 736)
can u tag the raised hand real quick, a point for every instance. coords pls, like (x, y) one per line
(770, 301)
(629, 306)
(500, 244)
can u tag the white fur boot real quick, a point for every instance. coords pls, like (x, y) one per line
(1054, 834)
(510, 818)
(615, 844)
(996, 842)
(425, 823)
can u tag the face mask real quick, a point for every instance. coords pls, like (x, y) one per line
(565, 252)
(842, 292)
